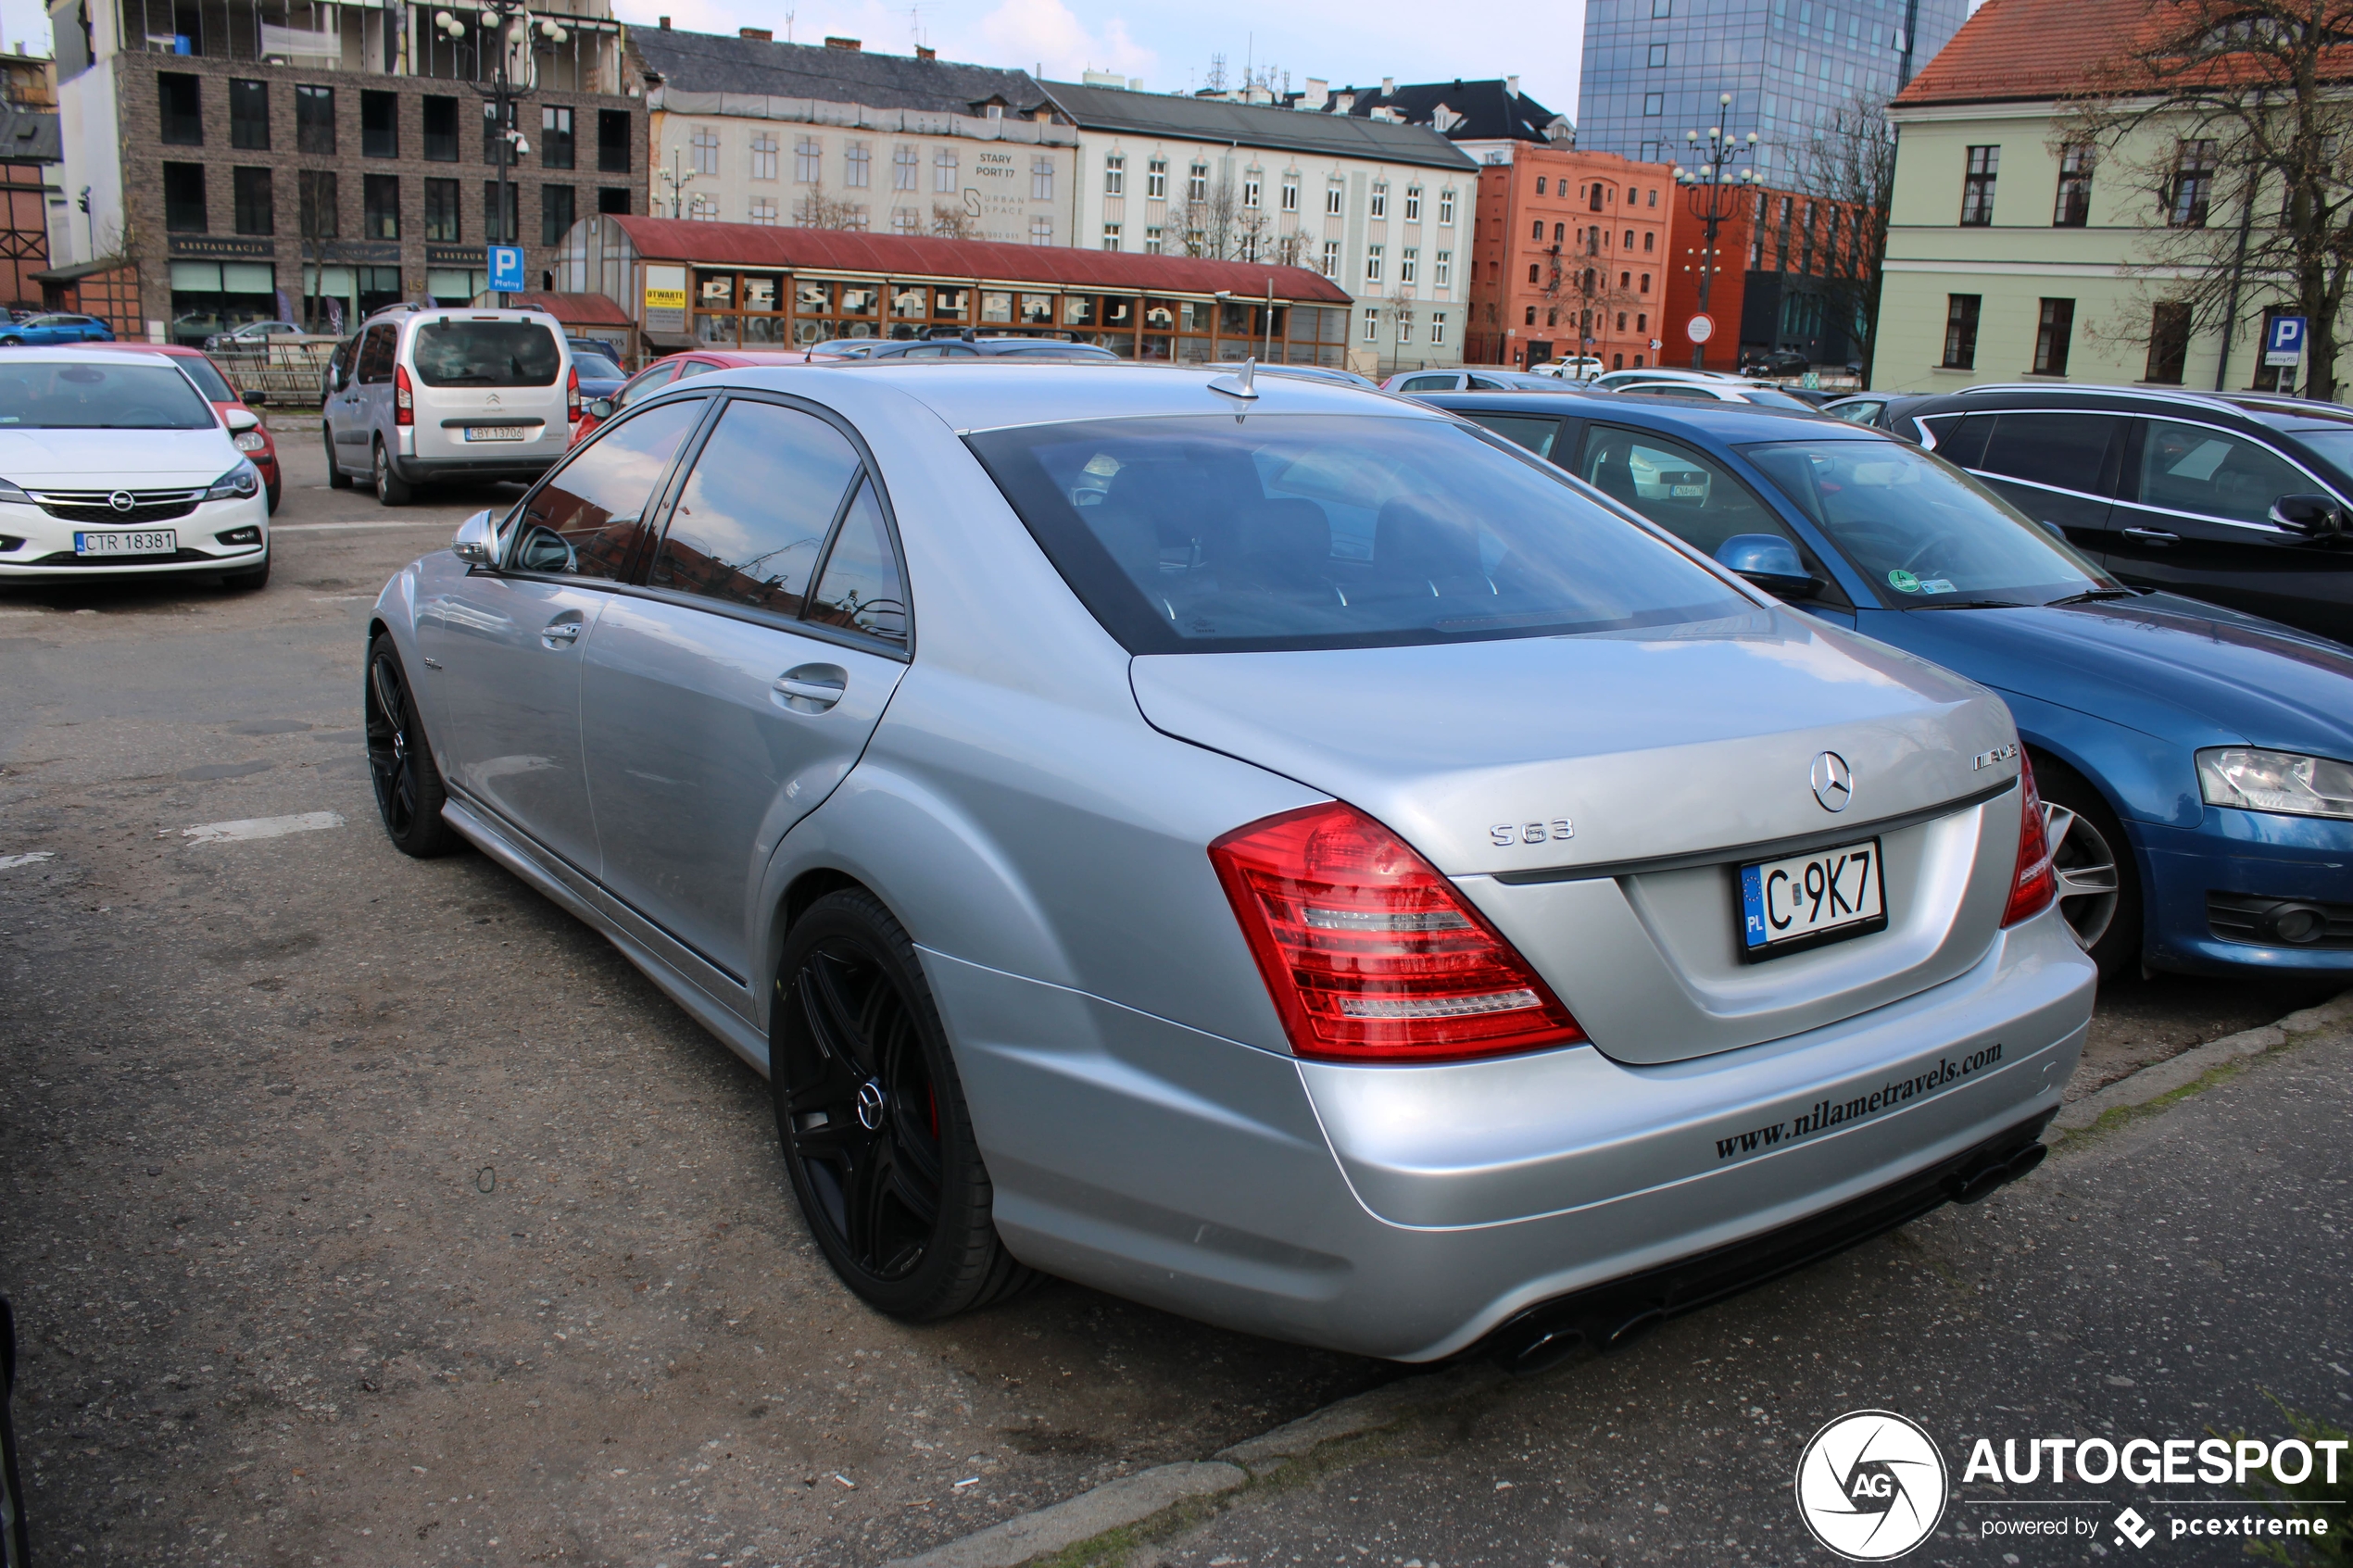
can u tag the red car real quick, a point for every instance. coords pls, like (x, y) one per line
(679, 367)
(256, 443)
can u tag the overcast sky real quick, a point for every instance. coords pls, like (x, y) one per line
(1168, 46)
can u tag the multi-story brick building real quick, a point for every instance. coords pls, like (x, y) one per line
(1571, 258)
(246, 167)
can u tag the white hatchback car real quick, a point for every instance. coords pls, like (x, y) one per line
(115, 464)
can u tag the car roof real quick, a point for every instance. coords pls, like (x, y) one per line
(985, 393)
(180, 349)
(1732, 424)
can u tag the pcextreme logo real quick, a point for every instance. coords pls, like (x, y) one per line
(1871, 1486)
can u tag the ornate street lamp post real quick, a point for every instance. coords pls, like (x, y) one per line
(507, 27)
(1712, 191)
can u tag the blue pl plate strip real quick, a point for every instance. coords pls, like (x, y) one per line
(1753, 906)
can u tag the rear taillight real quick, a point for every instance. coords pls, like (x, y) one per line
(572, 395)
(404, 399)
(2034, 882)
(1369, 954)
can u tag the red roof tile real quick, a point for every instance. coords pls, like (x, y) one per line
(2028, 49)
(902, 256)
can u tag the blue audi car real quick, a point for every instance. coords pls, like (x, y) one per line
(2196, 763)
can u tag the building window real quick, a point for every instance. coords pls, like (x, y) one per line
(1442, 264)
(763, 212)
(1408, 264)
(182, 110)
(1041, 231)
(1405, 329)
(555, 138)
(440, 122)
(809, 160)
(1539, 235)
(1412, 203)
(1331, 199)
(1197, 182)
(615, 136)
(2192, 185)
(763, 155)
(379, 125)
(702, 151)
(1116, 174)
(613, 199)
(1041, 178)
(1380, 198)
(2073, 209)
(1253, 190)
(1330, 267)
(1662, 9)
(184, 207)
(1654, 103)
(1646, 283)
(1154, 243)
(2169, 342)
(905, 220)
(906, 166)
(249, 115)
(1648, 236)
(701, 209)
(1291, 192)
(1156, 179)
(1658, 55)
(1372, 264)
(441, 211)
(1532, 317)
(1111, 236)
(556, 213)
(1532, 272)
(380, 206)
(1446, 207)
(2052, 329)
(943, 171)
(315, 121)
(1976, 185)
(858, 166)
(1438, 329)
(1961, 331)
(501, 220)
(321, 212)
(256, 212)
(1372, 323)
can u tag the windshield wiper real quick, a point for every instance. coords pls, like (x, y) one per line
(1971, 603)
(2091, 594)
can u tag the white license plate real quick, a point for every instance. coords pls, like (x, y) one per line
(152, 541)
(496, 432)
(1804, 900)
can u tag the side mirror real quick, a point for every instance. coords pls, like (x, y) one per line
(1769, 562)
(256, 398)
(477, 540)
(600, 407)
(2315, 517)
(2057, 531)
(240, 421)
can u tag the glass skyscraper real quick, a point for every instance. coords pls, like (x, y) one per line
(1656, 69)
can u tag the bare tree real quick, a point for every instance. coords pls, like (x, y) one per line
(1288, 249)
(950, 222)
(1850, 164)
(1213, 221)
(817, 210)
(2232, 119)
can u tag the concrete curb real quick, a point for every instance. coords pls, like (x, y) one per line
(1108, 1507)
(2159, 1079)
(1368, 1412)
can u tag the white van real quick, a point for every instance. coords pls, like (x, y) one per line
(428, 394)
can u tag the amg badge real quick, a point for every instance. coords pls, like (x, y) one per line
(1505, 834)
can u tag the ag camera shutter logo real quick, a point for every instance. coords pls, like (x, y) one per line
(1871, 1486)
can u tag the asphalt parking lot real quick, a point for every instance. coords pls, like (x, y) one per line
(359, 1209)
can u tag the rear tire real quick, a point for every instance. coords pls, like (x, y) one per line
(336, 477)
(870, 1114)
(2099, 894)
(390, 489)
(408, 790)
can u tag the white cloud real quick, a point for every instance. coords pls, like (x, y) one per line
(1035, 32)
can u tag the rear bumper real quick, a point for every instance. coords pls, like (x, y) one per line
(521, 466)
(2260, 854)
(1408, 1212)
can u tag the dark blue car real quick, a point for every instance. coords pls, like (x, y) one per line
(2196, 762)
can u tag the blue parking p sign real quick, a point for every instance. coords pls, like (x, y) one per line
(506, 271)
(2284, 341)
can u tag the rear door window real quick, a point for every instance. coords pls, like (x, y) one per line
(860, 589)
(752, 521)
(1539, 435)
(376, 355)
(589, 518)
(1685, 492)
(2187, 468)
(2058, 451)
(653, 380)
(493, 352)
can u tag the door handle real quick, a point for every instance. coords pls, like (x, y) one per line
(2152, 536)
(561, 634)
(812, 688)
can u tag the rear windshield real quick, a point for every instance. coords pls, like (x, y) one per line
(129, 397)
(209, 382)
(1217, 534)
(487, 354)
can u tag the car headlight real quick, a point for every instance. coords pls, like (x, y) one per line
(10, 493)
(2286, 782)
(239, 483)
(251, 441)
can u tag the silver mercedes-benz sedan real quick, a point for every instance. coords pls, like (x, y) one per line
(1274, 851)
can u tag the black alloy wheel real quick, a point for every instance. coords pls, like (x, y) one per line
(408, 790)
(870, 1114)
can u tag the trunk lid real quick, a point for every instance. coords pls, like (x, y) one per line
(1594, 795)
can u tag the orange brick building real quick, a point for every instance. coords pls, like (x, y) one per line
(1771, 284)
(1572, 255)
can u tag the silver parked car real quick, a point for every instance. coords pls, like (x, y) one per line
(1268, 850)
(425, 395)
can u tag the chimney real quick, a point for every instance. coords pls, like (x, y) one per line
(1319, 94)
(757, 34)
(666, 24)
(854, 46)
(1389, 85)
(924, 54)
(1511, 85)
